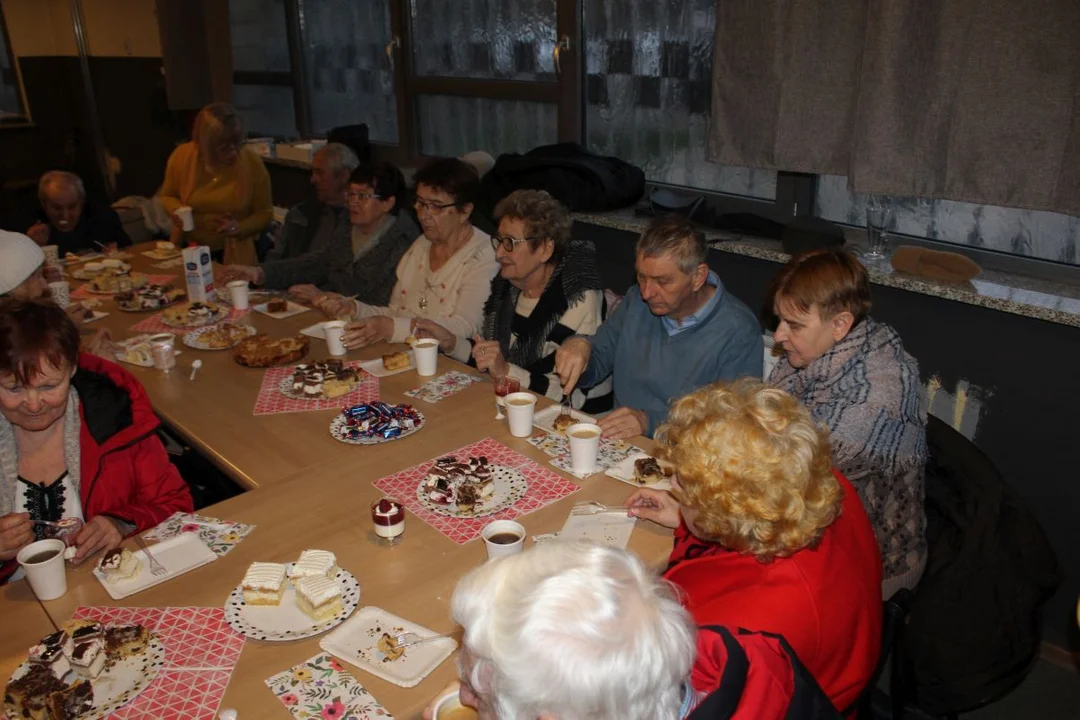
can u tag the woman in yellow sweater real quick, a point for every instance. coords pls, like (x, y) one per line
(224, 183)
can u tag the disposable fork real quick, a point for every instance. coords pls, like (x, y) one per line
(156, 568)
(591, 507)
(411, 639)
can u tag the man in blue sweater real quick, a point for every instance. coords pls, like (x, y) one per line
(676, 331)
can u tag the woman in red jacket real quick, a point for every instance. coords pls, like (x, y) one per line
(76, 439)
(768, 536)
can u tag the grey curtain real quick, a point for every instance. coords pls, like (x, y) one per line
(972, 100)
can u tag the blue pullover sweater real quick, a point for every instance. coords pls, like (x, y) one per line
(651, 368)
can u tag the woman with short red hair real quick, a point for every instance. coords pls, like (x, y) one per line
(77, 439)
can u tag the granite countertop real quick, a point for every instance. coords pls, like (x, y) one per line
(1020, 295)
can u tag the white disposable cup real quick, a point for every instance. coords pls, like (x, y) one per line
(520, 416)
(238, 293)
(426, 356)
(332, 331)
(498, 550)
(163, 351)
(52, 254)
(187, 218)
(114, 263)
(450, 707)
(60, 292)
(583, 450)
(47, 579)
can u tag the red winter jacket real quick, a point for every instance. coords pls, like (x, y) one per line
(125, 472)
(825, 601)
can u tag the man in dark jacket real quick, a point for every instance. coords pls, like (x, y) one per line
(310, 226)
(71, 223)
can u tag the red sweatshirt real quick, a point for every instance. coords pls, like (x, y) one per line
(825, 601)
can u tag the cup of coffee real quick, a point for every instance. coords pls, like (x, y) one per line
(187, 218)
(43, 563)
(426, 356)
(60, 292)
(519, 410)
(584, 445)
(450, 707)
(238, 294)
(52, 254)
(163, 351)
(332, 331)
(503, 537)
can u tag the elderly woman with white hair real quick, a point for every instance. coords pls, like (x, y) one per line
(577, 631)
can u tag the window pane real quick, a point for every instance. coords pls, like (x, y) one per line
(266, 109)
(10, 98)
(350, 78)
(259, 40)
(506, 39)
(1034, 233)
(452, 126)
(648, 67)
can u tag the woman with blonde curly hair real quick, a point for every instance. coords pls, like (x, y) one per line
(768, 535)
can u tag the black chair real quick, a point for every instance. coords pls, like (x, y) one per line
(893, 618)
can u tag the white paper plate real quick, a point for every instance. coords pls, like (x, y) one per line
(120, 683)
(355, 643)
(212, 319)
(178, 555)
(84, 274)
(375, 367)
(337, 431)
(193, 339)
(286, 621)
(96, 315)
(624, 472)
(315, 331)
(510, 486)
(294, 309)
(543, 418)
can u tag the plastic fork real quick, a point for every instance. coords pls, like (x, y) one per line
(411, 639)
(591, 507)
(156, 568)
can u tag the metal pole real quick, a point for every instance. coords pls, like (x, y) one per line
(96, 136)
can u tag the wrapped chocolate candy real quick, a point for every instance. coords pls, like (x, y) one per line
(378, 419)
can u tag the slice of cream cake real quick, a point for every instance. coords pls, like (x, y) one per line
(318, 597)
(264, 584)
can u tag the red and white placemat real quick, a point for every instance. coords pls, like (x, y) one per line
(272, 402)
(153, 324)
(83, 291)
(201, 651)
(545, 487)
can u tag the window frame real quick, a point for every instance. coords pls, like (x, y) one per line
(26, 118)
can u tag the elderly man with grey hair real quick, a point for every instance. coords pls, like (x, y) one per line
(71, 223)
(677, 330)
(312, 225)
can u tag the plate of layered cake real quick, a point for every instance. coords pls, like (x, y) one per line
(374, 423)
(291, 601)
(218, 337)
(192, 314)
(320, 380)
(390, 364)
(149, 297)
(123, 573)
(643, 470)
(469, 487)
(89, 273)
(115, 280)
(87, 670)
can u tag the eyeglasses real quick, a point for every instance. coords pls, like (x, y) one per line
(508, 243)
(356, 196)
(432, 207)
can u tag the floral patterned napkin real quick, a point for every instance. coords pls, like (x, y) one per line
(610, 454)
(443, 386)
(221, 536)
(320, 688)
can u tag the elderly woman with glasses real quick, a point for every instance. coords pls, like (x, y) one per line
(547, 289)
(224, 183)
(356, 262)
(445, 276)
(768, 535)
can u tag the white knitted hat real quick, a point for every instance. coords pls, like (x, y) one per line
(19, 258)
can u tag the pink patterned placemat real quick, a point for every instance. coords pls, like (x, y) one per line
(201, 651)
(545, 487)
(83, 292)
(272, 402)
(153, 324)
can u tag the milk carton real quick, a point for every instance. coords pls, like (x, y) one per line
(199, 274)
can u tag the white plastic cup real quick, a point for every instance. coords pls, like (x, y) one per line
(52, 254)
(47, 579)
(187, 218)
(450, 707)
(584, 445)
(60, 292)
(426, 356)
(163, 351)
(520, 407)
(238, 293)
(501, 529)
(332, 331)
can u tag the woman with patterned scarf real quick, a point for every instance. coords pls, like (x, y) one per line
(856, 379)
(547, 290)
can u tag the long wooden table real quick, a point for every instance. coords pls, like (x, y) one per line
(311, 491)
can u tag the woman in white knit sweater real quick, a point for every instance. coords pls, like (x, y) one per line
(446, 274)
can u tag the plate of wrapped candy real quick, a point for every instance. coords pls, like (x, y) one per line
(374, 423)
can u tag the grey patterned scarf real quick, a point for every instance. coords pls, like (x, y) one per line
(9, 456)
(866, 392)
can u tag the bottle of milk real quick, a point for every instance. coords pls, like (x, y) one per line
(199, 273)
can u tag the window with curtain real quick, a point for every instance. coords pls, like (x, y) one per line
(648, 67)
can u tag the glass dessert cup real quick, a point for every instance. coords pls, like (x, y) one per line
(388, 519)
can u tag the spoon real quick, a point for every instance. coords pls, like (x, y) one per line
(195, 365)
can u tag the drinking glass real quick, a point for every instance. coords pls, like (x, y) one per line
(503, 387)
(878, 217)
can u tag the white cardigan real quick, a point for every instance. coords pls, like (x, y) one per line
(453, 296)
